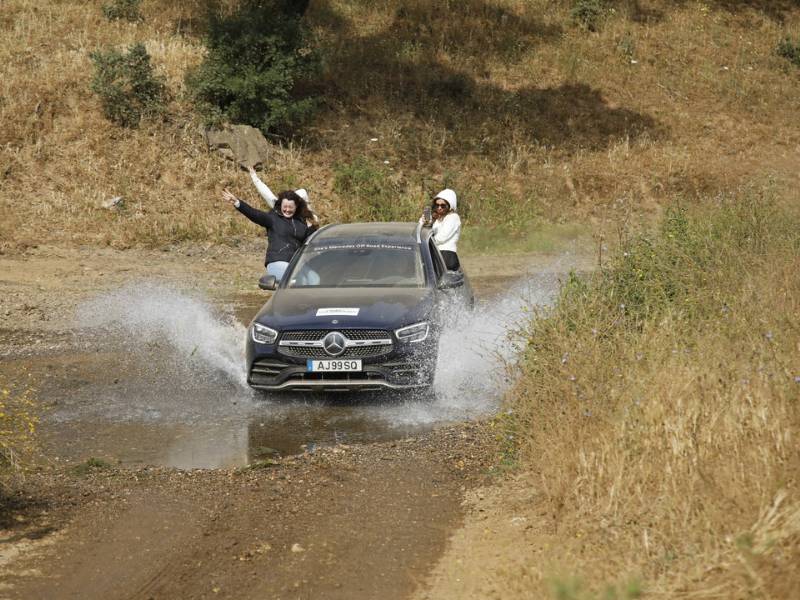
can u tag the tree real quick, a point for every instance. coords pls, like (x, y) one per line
(255, 54)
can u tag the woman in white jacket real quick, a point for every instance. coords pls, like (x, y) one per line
(446, 226)
(267, 194)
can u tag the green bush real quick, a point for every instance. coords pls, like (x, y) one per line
(117, 10)
(255, 55)
(126, 85)
(789, 50)
(586, 13)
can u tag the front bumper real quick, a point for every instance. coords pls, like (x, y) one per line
(395, 367)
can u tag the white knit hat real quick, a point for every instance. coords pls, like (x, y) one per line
(448, 196)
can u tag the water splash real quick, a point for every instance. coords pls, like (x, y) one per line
(171, 385)
(147, 316)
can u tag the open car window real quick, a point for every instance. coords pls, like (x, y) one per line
(358, 265)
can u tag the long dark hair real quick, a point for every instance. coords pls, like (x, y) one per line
(302, 210)
(435, 216)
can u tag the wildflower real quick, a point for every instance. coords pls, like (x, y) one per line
(745, 381)
(563, 406)
(638, 357)
(580, 395)
(688, 352)
(626, 410)
(674, 351)
(636, 403)
(572, 378)
(622, 306)
(768, 336)
(563, 360)
(797, 379)
(586, 414)
(594, 331)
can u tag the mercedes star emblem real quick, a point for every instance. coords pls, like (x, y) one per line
(334, 343)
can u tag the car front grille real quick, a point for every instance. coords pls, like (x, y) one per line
(361, 343)
(351, 334)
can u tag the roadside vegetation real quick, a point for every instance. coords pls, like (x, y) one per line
(539, 114)
(655, 407)
(17, 424)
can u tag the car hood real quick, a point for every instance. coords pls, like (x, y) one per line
(316, 308)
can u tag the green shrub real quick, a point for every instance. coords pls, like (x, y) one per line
(126, 85)
(586, 13)
(92, 465)
(255, 54)
(789, 50)
(117, 10)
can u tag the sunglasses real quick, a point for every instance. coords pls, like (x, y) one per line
(439, 205)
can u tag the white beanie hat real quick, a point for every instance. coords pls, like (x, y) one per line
(304, 195)
(448, 196)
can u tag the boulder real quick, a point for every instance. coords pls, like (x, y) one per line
(241, 143)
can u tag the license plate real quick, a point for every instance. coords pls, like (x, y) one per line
(334, 365)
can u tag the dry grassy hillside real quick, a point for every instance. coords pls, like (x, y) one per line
(531, 118)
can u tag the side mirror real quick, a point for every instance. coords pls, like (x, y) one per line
(268, 282)
(451, 280)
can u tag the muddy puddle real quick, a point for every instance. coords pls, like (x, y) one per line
(151, 375)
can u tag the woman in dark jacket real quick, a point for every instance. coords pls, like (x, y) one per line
(288, 225)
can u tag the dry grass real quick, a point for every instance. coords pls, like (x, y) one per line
(530, 118)
(656, 409)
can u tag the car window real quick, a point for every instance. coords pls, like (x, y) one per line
(358, 265)
(436, 259)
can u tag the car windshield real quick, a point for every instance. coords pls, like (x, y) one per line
(357, 264)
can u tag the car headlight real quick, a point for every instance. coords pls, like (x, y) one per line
(263, 335)
(412, 333)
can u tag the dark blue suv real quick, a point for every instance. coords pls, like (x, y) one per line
(359, 308)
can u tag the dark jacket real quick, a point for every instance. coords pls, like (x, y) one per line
(284, 236)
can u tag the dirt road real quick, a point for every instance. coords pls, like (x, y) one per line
(359, 521)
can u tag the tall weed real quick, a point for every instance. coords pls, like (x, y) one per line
(656, 400)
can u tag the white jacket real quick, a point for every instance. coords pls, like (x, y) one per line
(267, 194)
(446, 232)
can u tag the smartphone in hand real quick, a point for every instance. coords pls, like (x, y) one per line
(426, 212)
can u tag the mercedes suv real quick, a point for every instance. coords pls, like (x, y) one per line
(360, 307)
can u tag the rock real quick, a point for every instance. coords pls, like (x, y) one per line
(241, 143)
(297, 548)
(112, 203)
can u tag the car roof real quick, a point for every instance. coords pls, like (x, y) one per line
(366, 231)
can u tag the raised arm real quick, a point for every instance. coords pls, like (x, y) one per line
(262, 188)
